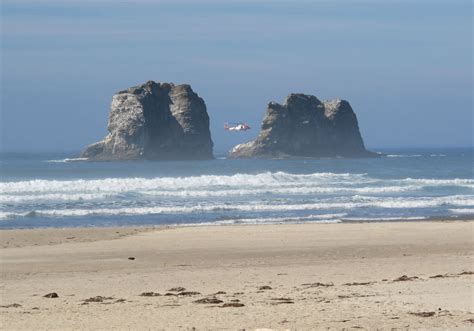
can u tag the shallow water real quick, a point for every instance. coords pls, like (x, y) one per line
(55, 190)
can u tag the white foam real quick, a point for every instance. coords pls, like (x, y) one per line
(369, 219)
(267, 179)
(268, 220)
(215, 194)
(216, 186)
(396, 155)
(286, 191)
(325, 218)
(357, 202)
(463, 211)
(77, 159)
(434, 181)
(73, 196)
(460, 182)
(52, 197)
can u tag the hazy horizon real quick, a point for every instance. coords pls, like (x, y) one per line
(406, 68)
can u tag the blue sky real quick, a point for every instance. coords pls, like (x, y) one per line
(405, 66)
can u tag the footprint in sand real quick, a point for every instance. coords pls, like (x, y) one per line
(359, 284)
(280, 301)
(12, 305)
(317, 284)
(150, 294)
(232, 304)
(423, 313)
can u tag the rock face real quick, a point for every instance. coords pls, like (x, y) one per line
(157, 121)
(306, 127)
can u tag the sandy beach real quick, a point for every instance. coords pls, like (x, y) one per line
(402, 275)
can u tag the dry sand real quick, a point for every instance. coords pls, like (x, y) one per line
(300, 276)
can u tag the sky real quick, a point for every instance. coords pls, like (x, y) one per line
(406, 67)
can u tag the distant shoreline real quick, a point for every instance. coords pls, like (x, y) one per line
(451, 218)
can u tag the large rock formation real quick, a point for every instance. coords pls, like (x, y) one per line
(158, 121)
(306, 127)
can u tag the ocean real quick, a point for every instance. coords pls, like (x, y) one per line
(56, 190)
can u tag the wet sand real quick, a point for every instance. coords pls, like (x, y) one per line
(403, 275)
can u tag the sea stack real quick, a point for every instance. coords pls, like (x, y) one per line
(306, 127)
(155, 121)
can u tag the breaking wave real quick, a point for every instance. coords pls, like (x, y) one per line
(355, 202)
(242, 198)
(239, 184)
(267, 179)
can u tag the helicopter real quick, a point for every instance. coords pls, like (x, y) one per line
(236, 127)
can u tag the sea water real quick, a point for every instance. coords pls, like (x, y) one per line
(57, 190)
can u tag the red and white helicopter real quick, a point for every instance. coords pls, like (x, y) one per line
(236, 127)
